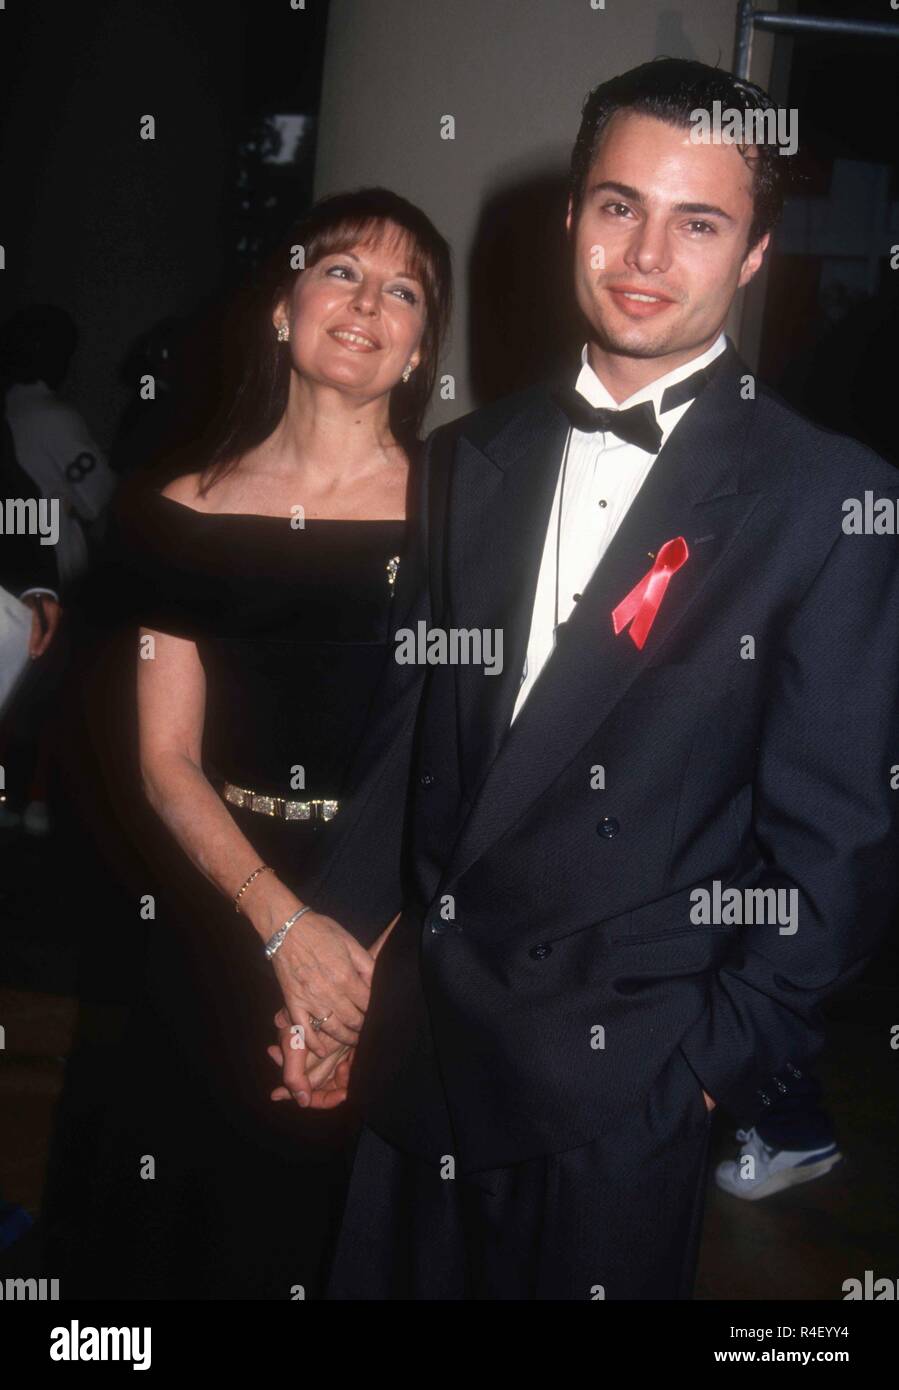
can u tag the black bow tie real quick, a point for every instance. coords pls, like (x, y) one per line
(637, 424)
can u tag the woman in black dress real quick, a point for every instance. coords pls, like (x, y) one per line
(268, 579)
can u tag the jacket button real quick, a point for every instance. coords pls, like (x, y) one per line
(426, 779)
(608, 827)
(438, 925)
(540, 952)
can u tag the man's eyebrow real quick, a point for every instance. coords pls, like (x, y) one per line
(710, 209)
(610, 186)
(635, 196)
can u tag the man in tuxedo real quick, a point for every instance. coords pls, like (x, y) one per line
(636, 862)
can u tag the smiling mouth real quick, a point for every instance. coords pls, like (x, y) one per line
(357, 340)
(639, 298)
(637, 305)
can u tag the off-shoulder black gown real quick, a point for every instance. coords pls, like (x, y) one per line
(292, 627)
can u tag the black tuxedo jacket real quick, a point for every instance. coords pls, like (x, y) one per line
(547, 976)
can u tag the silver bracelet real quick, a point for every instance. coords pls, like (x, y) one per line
(275, 942)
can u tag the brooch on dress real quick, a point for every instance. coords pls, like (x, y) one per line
(392, 566)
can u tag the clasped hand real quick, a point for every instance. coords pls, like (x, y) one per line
(326, 976)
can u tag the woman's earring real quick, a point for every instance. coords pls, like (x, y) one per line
(283, 332)
(407, 372)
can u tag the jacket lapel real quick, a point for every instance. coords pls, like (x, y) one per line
(498, 520)
(690, 491)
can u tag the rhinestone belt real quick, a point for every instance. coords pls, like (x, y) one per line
(279, 805)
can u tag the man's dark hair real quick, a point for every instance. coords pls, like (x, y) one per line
(672, 89)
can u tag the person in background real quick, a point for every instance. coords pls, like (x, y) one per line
(792, 1143)
(55, 449)
(52, 441)
(28, 573)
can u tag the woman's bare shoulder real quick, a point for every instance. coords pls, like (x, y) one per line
(185, 489)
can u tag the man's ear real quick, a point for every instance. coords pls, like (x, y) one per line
(753, 260)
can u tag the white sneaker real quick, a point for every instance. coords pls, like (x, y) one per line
(36, 820)
(771, 1170)
(9, 820)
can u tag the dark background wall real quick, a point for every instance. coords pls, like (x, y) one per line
(831, 311)
(122, 231)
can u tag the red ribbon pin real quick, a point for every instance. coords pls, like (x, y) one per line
(644, 600)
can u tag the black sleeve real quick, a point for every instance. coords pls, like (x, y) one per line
(149, 575)
(826, 819)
